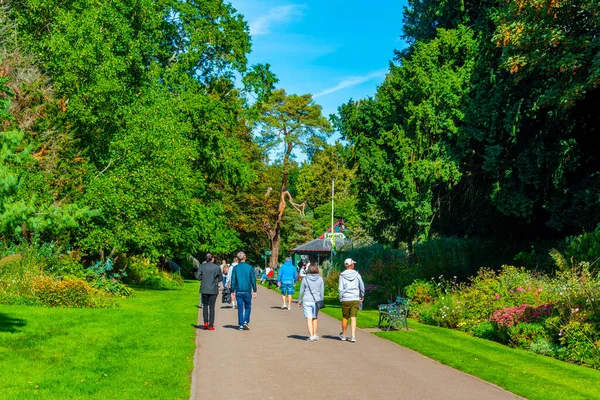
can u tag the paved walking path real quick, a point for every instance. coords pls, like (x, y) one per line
(273, 360)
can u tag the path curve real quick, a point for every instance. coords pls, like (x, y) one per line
(273, 360)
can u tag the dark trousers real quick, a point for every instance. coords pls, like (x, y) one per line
(208, 311)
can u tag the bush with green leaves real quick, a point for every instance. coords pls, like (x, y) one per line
(420, 292)
(69, 293)
(386, 272)
(143, 272)
(486, 330)
(104, 276)
(581, 341)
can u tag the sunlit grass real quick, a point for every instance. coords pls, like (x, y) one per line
(521, 372)
(141, 350)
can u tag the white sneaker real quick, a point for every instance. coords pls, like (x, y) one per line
(316, 337)
(352, 340)
(342, 337)
(289, 307)
(283, 307)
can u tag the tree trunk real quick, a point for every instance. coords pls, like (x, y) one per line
(273, 261)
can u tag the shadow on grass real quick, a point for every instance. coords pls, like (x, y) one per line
(148, 288)
(10, 324)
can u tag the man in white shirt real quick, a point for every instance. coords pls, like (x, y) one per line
(229, 273)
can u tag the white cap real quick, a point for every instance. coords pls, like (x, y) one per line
(348, 262)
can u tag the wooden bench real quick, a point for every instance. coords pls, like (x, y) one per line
(393, 315)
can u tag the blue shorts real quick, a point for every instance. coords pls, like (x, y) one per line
(287, 289)
(310, 309)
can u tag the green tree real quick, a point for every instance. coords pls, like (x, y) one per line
(288, 122)
(152, 201)
(407, 139)
(30, 207)
(314, 187)
(116, 67)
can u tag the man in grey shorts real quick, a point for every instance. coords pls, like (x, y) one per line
(351, 289)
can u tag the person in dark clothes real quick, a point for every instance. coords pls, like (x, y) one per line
(209, 275)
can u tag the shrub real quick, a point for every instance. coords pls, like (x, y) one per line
(103, 276)
(581, 343)
(461, 257)
(17, 274)
(420, 292)
(143, 272)
(543, 347)
(486, 330)
(331, 283)
(583, 248)
(523, 334)
(70, 293)
(445, 313)
(509, 316)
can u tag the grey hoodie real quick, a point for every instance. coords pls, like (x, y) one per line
(351, 286)
(311, 283)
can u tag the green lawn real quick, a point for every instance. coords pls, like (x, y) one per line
(140, 350)
(524, 373)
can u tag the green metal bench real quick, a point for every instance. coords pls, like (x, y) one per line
(393, 315)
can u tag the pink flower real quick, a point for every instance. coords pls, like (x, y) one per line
(497, 296)
(520, 289)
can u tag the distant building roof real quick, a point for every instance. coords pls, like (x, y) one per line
(323, 244)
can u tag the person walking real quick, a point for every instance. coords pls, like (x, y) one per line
(312, 291)
(286, 279)
(351, 289)
(224, 271)
(209, 275)
(229, 275)
(302, 272)
(243, 284)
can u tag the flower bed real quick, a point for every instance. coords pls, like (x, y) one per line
(558, 316)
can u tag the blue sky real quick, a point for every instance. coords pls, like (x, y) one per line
(336, 50)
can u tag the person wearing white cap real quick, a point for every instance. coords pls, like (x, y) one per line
(351, 289)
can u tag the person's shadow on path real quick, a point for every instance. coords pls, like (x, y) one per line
(298, 337)
(331, 337)
(236, 327)
(304, 337)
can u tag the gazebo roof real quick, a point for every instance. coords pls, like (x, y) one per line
(314, 246)
(323, 244)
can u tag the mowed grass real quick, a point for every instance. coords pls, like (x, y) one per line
(141, 350)
(521, 372)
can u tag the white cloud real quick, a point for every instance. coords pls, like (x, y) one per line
(278, 15)
(351, 82)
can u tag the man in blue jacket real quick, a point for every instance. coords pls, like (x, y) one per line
(286, 279)
(243, 284)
